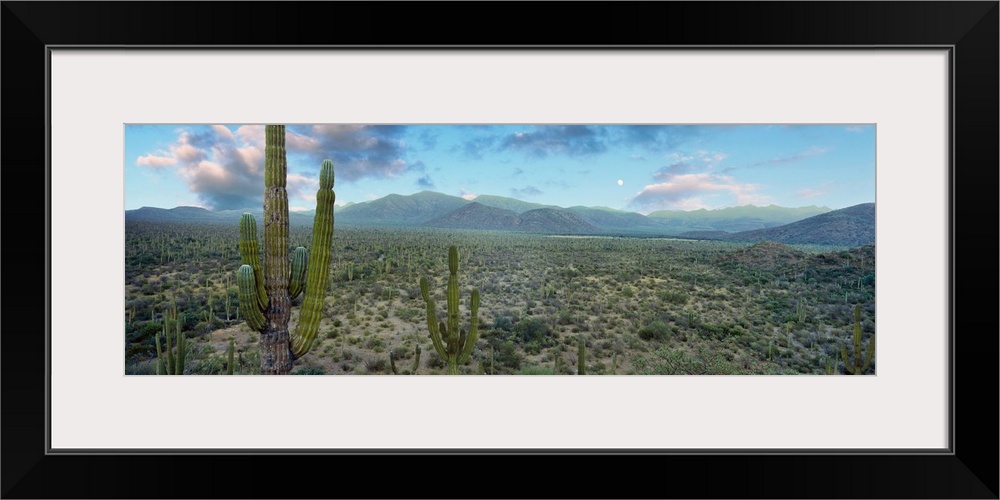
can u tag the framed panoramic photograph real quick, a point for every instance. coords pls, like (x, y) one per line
(713, 264)
(719, 254)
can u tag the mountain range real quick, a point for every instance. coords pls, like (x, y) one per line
(816, 225)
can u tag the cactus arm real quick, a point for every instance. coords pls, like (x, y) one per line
(170, 349)
(160, 369)
(446, 340)
(250, 255)
(320, 256)
(416, 361)
(871, 353)
(298, 278)
(461, 344)
(248, 296)
(847, 361)
(181, 346)
(469, 342)
(857, 340)
(432, 325)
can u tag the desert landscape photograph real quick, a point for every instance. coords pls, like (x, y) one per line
(499, 249)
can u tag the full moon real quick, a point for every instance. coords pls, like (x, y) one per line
(620, 182)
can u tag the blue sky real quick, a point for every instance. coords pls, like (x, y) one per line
(641, 168)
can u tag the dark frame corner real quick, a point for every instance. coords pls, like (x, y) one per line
(970, 28)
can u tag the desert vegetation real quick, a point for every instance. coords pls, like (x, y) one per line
(636, 305)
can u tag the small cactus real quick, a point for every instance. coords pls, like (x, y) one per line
(451, 343)
(392, 363)
(860, 364)
(830, 367)
(416, 361)
(229, 358)
(581, 358)
(174, 363)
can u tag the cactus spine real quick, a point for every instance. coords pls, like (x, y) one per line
(273, 285)
(860, 364)
(451, 343)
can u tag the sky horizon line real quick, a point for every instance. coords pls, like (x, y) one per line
(343, 204)
(636, 168)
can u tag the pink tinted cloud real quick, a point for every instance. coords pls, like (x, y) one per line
(155, 162)
(685, 191)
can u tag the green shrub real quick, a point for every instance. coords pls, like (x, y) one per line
(508, 356)
(375, 343)
(669, 297)
(536, 370)
(532, 329)
(375, 365)
(657, 330)
(308, 371)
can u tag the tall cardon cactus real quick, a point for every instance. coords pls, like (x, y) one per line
(267, 290)
(454, 345)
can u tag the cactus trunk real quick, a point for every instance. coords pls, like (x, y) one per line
(266, 291)
(275, 350)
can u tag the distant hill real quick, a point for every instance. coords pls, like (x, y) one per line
(433, 209)
(732, 219)
(541, 220)
(851, 226)
(613, 220)
(555, 221)
(203, 216)
(478, 216)
(178, 214)
(511, 204)
(399, 210)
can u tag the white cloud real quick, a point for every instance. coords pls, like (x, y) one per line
(223, 131)
(686, 191)
(155, 162)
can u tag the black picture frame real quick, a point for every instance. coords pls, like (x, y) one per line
(968, 470)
